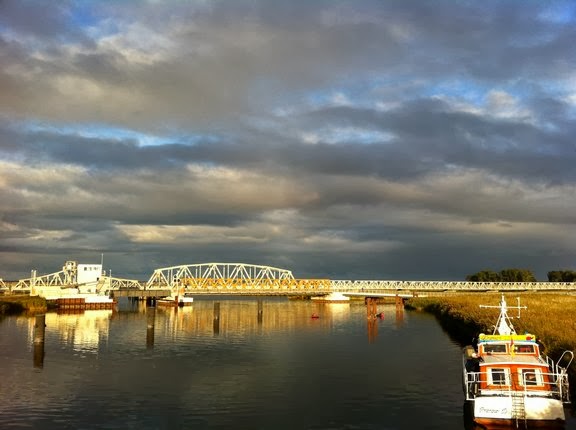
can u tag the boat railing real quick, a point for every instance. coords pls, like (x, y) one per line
(561, 373)
(552, 384)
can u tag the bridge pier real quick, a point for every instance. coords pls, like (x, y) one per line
(399, 311)
(371, 307)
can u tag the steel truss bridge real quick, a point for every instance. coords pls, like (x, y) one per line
(235, 278)
(247, 279)
(67, 279)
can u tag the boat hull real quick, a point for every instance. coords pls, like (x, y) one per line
(500, 410)
(182, 301)
(332, 298)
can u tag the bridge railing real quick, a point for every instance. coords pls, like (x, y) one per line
(374, 285)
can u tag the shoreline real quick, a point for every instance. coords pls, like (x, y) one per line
(548, 317)
(21, 304)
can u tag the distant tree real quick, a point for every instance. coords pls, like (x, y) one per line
(506, 275)
(562, 276)
(484, 276)
(517, 275)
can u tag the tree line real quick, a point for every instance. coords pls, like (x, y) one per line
(520, 275)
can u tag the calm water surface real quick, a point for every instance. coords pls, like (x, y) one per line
(166, 368)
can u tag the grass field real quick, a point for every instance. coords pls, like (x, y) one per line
(549, 316)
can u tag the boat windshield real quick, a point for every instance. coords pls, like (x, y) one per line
(524, 349)
(495, 348)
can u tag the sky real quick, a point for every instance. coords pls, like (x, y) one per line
(390, 140)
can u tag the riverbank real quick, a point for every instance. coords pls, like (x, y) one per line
(549, 316)
(17, 304)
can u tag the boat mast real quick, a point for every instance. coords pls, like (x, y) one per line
(504, 324)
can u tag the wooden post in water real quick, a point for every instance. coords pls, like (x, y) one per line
(39, 337)
(39, 329)
(399, 310)
(150, 324)
(216, 323)
(260, 311)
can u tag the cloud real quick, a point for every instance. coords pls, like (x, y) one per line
(345, 139)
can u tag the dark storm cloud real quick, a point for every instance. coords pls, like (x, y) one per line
(38, 18)
(429, 134)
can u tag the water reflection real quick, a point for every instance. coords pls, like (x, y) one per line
(168, 368)
(83, 330)
(239, 318)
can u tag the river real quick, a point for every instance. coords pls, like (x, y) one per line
(257, 366)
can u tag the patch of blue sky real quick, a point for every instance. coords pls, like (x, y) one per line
(109, 133)
(459, 89)
(367, 91)
(82, 13)
(559, 12)
(557, 87)
(476, 93)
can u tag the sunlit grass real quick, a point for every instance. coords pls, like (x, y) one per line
(549, 316)
(21, 303)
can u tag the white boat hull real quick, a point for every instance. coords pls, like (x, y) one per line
(332, 298)
(172, 301)
(492, 409)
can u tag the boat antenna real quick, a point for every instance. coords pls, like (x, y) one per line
(504, 324)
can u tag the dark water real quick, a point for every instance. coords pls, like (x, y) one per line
(284, 370)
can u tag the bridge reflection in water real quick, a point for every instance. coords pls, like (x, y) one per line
(238, 318)
(86, 330)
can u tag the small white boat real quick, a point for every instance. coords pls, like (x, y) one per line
(176, 301)
(332, 298)
(509, 381)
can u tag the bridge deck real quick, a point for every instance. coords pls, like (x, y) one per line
(140, 293)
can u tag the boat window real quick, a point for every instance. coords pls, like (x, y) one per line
(495, 348)
(524, 349)
(497, 377)
(530, 377)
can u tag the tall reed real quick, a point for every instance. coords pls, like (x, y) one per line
(549, 316)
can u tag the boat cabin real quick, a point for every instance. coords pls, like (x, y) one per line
(511, 362)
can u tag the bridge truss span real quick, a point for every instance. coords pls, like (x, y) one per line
(202, 275)
(233, 278)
